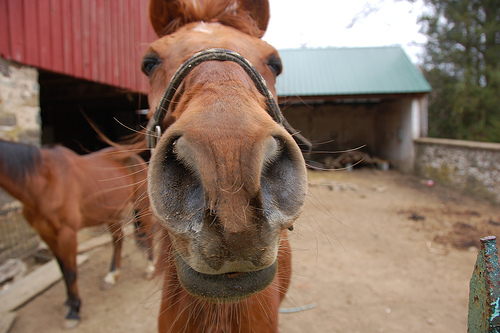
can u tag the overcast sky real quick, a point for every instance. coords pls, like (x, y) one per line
(323, 23)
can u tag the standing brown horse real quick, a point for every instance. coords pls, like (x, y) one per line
(226, 178)
(63, 192)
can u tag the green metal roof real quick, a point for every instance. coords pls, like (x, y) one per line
(349, 71)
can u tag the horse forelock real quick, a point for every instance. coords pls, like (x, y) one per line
(226, 12)
(17, 160)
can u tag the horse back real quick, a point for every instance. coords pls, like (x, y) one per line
(96, 188)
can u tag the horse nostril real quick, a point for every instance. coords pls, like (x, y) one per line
(177, 194)
(283, 182)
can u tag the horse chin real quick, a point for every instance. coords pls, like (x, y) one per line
(224, 288)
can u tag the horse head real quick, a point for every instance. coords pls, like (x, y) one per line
(226, 179)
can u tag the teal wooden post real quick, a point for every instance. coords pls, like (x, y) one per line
(484, 297)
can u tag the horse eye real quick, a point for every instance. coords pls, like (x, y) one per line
(275, 65)
(149, 64)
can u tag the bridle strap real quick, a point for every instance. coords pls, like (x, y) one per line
(154, 127)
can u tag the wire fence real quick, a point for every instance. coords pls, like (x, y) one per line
(17, 238)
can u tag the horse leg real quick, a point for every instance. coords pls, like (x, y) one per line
(114, 270)
(144, 236)
(63, 244)
(66, 258)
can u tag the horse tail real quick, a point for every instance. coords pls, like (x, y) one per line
(134, 144)
(139, 232)
(142, 234)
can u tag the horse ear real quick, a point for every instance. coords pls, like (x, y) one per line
(259, 10)
(162, 13)
(168, 15)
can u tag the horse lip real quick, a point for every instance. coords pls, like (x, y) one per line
(228, 287)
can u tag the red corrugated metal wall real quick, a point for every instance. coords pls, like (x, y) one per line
(97, 40)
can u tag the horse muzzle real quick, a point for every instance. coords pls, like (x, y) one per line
(227, 287)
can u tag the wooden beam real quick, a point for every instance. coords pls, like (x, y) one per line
(6, 321)
(44, 276)
(32, 284)
(319, 99)
(11, 269)
(94, 242)
(102, 239)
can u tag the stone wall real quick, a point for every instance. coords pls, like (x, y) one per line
(472, 167)
(19, 103)
(19, 121)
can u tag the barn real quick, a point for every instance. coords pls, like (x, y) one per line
(86, 55)
(370, 99)
(63, 62)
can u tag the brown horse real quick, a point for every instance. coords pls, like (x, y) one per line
(63, 192)
(226, 177)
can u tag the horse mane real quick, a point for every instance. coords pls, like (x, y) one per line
(226, 12)
(18, 160)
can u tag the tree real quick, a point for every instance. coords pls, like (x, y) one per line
(461, 61)
(462, 64)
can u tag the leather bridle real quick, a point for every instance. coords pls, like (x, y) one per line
(154, 127)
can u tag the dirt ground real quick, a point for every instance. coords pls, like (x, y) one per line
(374, 251)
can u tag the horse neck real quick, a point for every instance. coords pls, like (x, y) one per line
(182, 312)
(195, 316)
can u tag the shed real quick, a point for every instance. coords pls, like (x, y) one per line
(346, 98)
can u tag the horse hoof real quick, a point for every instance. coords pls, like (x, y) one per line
(107, 286)
(110, 279)
(71, 323)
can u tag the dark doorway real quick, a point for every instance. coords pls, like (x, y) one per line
(64, 101)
